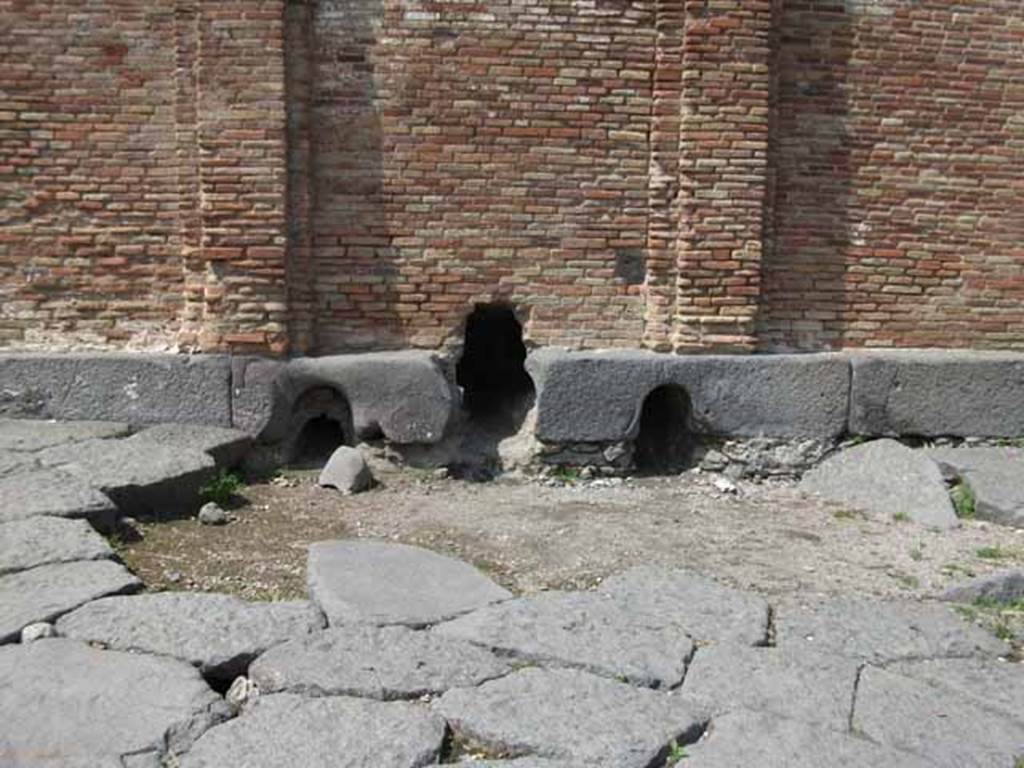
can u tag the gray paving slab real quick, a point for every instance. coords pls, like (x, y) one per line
(991, 683)
(55, 493)
(43, 540)
(1004, 586)
(995, 476)
(220, 634)
(226, 446)
(27, 435)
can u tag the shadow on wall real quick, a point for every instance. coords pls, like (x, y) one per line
(809, 234)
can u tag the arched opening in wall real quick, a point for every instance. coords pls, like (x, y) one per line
(321, 422)
(665, 441)
(492, 370)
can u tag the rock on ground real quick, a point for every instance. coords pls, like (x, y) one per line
(572, 715)
(212, 513)
(68, 704)
(585, 630)
(744, 738)
(1002, 587)
(43, 540)
(886, 478)
(708, 610)
(814, 688)
(51, 492)
(380, 583)
(332, 732)
(995, 477)
(36, 435)
(374, 662)
(219, 634)
(226, 446)
(879, 631)
(46, 592)
(950, 729)
(346, 471)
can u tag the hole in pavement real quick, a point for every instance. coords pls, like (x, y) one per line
(665, 441)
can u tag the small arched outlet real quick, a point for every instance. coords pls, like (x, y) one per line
(665, 441)
(321, 421)
(492, 370)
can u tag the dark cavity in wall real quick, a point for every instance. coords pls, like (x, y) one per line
(665, 441)
(321, 422)
(492, 370)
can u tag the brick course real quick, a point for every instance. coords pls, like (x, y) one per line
(688, 175)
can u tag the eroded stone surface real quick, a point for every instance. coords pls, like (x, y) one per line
(330, 732)
(814, 688)
(380, 583)
(743, 738)
(874, 630)
(885, 478)
(54, 493)
(226, 446)
(43, 540)
(35, 435)
(708, 610)
(46, 592)
(219, 634)
(15, 463)
(581, 629)
(991, 683)
(572, 715)
(374, 662)
(63, 703)
(945, 726)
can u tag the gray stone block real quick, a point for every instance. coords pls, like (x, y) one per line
(991, 683)
(743, 738)
(880, 632)
(575, 716)
(1002, 587)
(942, 725)
(16, 463)
(374, 662)
(597, 396)
(43, 540)
(710, 612)
(227, 447)
(885, 478)
(994, 475)
(334, 732)
(135, 388)
(63, 703)
(403, 395)
(49, 591)
(55, 493)
(936, 393)
(380, 583)
(219, 634)
(584, 630)
(35, 435)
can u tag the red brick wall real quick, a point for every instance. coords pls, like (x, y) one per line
(688, 175)
(899, 154)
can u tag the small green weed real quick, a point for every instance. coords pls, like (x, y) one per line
(220, 490)
(992, 553)
(963, 500)
(566, 474)
(901, 517)
(845, 514)
(675, 754)
(917, 552)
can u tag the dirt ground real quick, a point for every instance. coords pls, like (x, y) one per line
(530, 536)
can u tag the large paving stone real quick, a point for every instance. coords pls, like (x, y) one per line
(381, 583)
(332, 732)
(63, 703)
(585, 630)
(950, 729)
(134, 388)
(955, 393)
(743, 738)
(35, 435)
(814, 688)
(42, 540)
(878, 631)
(710, 611)
(597, 396)
(16, 463)
(1002, 587)
(46, 592)
(404, 395)
(227, 446)
(995, 477)
(144, 479)
(992, 684)
(522, 762)
(885, 478)
(572, 715)
(219, 634)
(374, 662)
(50, 492)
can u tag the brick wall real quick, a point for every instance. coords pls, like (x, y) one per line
(690, 175)
(899, 154)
